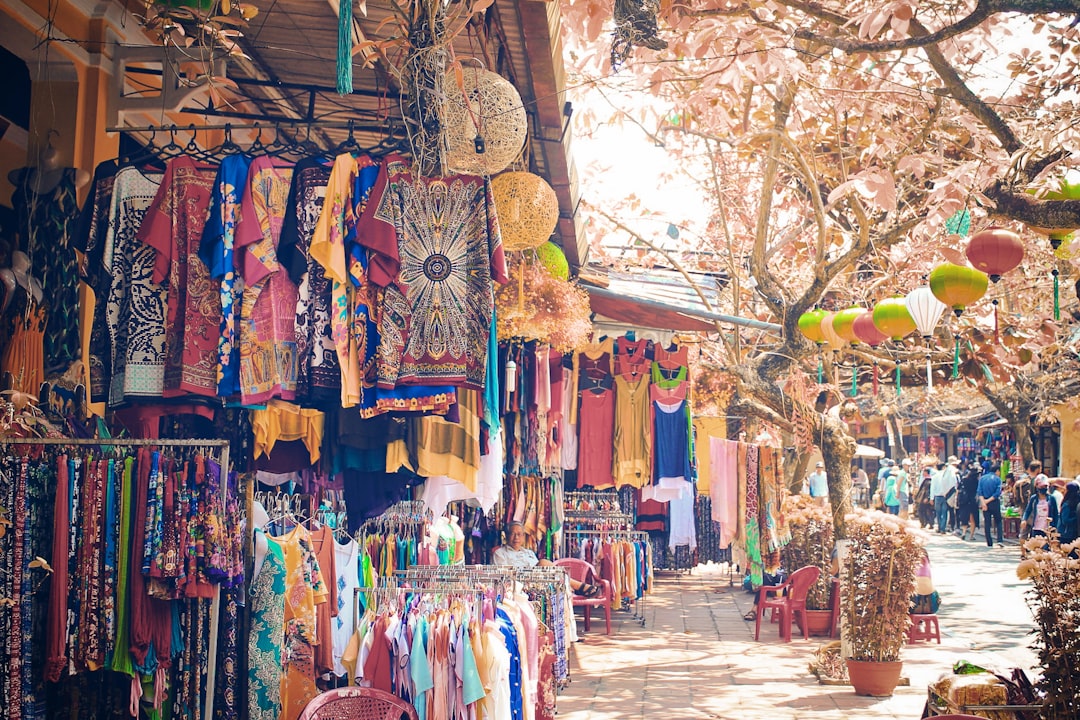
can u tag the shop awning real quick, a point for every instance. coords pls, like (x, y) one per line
(868, 451)
(647, 313)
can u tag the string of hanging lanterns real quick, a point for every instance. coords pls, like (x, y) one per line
(992, 252)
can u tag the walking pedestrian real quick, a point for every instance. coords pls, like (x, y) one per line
(942, 484)
(1025, 484)
(924, 504)
(860, 486)
(1041, 512)
(967, 502)
(818, 483)
(1067, 524)
(990, 502)
(891, 496)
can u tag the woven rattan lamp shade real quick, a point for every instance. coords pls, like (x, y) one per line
(527, 207)
(489, 107)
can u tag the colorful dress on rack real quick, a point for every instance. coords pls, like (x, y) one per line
(344, 265)
(633, 436)
(135, 308)
(173, 227)
(304, 589)
(436, 247)
(90, 241)
(267, 608)
(318, 376)
(596, 436)
(46, 225)
(217, 250)
(268, 304)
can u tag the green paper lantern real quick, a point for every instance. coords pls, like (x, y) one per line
(957, 285)
(553, 259)
(810, 325)
(892, 317)
(844, 323)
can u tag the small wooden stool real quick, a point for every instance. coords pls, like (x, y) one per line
(924, 627)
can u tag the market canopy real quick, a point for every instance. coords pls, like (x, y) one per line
(868, 451)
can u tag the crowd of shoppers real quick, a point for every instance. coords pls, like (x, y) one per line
(958, 496)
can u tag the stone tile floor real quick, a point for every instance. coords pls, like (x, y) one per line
(696, 657)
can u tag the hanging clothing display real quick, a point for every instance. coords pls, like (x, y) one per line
(173, 227)
(45, 222)
(436, 249)
(268, 304)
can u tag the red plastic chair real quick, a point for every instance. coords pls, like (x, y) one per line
(834, 621)
(960, 716)
(787, 599)
(584, 572)
(358, 703)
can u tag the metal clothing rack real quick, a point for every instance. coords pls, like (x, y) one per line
(633, 536)
(223, 446)
(590, 500)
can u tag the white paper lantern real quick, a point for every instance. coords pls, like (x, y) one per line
(926, 310)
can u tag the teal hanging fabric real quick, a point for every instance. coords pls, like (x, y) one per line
(1057, 296)
(344, 48)
(956, 359)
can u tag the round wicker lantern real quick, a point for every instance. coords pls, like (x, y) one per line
(527, 207)
(484, 123)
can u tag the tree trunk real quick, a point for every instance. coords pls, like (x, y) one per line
(796, 471)
(1024, 447)
(838, 448)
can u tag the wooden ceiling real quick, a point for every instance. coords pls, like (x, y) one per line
(292, 46)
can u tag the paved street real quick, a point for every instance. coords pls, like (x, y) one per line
(697, 658)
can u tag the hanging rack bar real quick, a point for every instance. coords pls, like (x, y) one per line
(122, 442)
(270, 123)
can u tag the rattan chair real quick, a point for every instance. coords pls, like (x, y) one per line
(358, 703)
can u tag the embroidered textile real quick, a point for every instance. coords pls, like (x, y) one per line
(436, 247)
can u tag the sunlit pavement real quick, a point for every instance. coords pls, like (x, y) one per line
(696, 657)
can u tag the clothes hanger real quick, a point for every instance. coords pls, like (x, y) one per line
(349, 144)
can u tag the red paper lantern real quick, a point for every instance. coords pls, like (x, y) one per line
(995, 251)
(865, 329)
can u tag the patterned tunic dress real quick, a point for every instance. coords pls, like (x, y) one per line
(267, 632)
(173, 228)
(46, 224)
(135, 306)
(436, 247)
(268, 306)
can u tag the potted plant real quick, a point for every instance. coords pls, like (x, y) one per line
(811, 544)
(877, 575)
(1054, 573)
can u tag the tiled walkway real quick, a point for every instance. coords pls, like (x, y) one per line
(696, 657)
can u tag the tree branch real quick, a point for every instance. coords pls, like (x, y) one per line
(984, 10)
(959, 91)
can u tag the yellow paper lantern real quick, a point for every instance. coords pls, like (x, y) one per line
(527, 207)
(957, 285)
(833, 341)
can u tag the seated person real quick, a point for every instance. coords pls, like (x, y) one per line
(515, 554)
(925, 601)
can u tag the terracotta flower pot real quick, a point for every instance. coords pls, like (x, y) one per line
(819, 622)
(878, 679)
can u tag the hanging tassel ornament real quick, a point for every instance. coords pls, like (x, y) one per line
(854, 379)
(875, 379)
(1057, 295)
(344, 47)
(956, 357)
(929, 374)
(897, 378)
(820, 371)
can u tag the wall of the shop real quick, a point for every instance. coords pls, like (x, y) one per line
(1069, 445)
